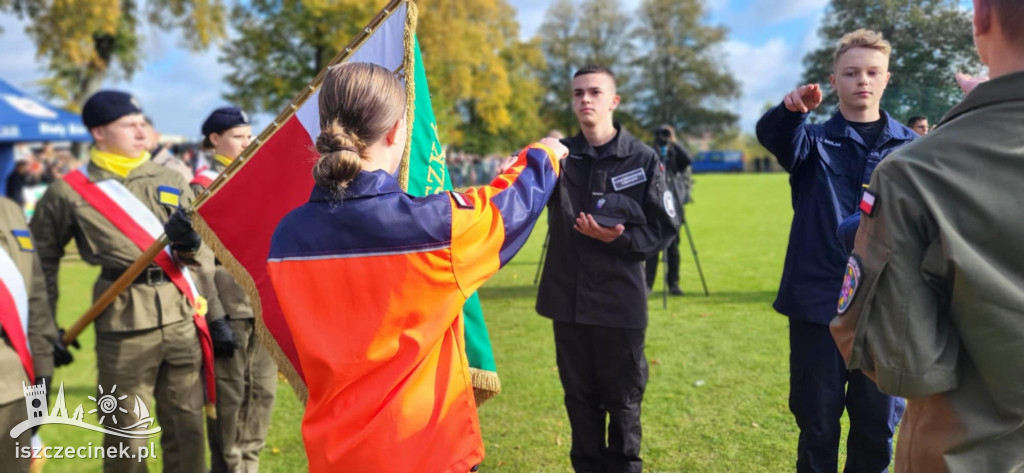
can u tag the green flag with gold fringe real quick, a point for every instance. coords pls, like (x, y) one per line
(427, 174)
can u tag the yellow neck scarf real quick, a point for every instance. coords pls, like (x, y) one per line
(226, 161)
(115, 163)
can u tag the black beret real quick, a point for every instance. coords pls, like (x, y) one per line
(224, 118)
(106, 106)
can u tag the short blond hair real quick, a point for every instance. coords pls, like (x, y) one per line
(862, 38)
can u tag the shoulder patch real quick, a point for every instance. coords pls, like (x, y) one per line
(24, 240)
(867, 203)
(461, 201)
(851, 282)
(669, 202)
(169, 196)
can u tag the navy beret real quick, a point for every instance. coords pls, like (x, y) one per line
(224, 118)
(106, 106)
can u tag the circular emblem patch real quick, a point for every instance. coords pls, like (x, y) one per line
(600, 202)
(670, 206)
(851, 281)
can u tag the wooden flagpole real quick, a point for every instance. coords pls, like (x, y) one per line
(147, 257)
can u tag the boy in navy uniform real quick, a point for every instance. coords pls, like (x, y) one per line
(829, 165)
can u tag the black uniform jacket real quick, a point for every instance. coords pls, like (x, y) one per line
(588, 281)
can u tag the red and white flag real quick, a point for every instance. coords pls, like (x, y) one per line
(239, 217)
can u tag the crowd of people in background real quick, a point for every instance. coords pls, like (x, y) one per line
(38, 166)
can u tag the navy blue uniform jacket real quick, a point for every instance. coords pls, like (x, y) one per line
(828, 166)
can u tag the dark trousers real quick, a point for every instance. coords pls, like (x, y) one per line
(603, 372)
(820, 387)
(651, 268)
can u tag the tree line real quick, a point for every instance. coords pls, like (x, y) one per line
(492, 90)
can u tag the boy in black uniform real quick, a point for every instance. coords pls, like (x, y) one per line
(610, 212)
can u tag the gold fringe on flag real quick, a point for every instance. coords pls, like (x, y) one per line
(486, 385)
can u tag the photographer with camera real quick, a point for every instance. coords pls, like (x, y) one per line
(679, 179)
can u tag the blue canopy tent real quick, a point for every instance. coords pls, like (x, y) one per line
(24, 118)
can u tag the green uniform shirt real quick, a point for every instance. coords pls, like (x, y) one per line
(41, 329)
(936, 287)
(62, 215)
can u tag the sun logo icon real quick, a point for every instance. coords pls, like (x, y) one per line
(107, 404)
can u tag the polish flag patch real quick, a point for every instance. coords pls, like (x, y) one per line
(867, 203)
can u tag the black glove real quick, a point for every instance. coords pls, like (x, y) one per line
(179, 230)
(184, 239)
(61, 355)
(224, 344)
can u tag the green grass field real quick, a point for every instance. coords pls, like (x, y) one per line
(716, 400)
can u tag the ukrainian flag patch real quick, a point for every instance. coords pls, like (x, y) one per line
(170, 196)
(24, 240)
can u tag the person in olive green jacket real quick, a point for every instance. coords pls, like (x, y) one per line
(146, 340)
(931, 306)
(246, 373)
(19, 266)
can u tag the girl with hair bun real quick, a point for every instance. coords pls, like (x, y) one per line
(372, 281)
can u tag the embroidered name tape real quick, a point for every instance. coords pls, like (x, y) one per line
(629, 179)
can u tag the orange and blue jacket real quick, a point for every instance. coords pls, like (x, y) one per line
(372, 286)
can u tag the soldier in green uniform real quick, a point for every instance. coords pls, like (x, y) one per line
(246, 374)
(931, 303)
(22, 293)
(146, 341)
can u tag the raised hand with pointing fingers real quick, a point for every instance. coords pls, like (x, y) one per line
(803, 99)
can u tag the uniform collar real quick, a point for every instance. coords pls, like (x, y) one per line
(838, 127)
(1007, 88)
(223, 160)
(623, 144)
(96, 173)
(366, 184)
(216, 166)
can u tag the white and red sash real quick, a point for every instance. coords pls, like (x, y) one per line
(205, 177)
(14, 311)
(137, 222)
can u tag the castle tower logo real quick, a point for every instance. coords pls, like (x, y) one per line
(35, 399)
(114, 418)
